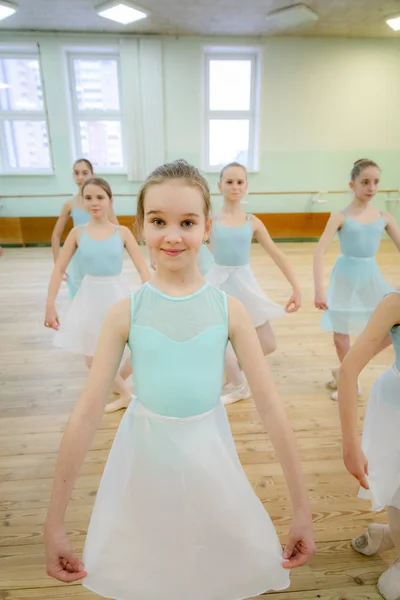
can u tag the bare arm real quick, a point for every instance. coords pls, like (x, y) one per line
(59, 229)
(279, 258)
(89, 409)
(112, 216)
(77, 438)
(67, 252)
(248, 350)
(335, 222)
(392, 229)
(134, 252)
(386, 315)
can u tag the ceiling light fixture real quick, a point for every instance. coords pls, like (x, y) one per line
(123, 12)
(291, 16)
(7, 9)
(394, 23)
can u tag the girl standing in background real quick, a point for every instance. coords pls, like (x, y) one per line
(101, 245)
(356, 285)
(82, 169)
(231, 237)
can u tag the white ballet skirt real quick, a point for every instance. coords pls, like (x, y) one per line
(381, 442)
(240, 282)
(81, 326)
(176, 511)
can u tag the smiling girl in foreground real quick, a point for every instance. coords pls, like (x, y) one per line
(175, 517)
(101, 247)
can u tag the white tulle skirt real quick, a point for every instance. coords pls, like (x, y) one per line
(81, 326)
(355, 289)
(381, 442)
(176, 518)
(240, 283)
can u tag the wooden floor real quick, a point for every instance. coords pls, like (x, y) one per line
(38, 388)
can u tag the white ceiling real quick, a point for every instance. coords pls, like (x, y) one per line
(350, 18)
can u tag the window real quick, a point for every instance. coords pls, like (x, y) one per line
(24, 137)
(96, 110)
(232, 99)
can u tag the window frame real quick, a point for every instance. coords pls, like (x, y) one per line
(77, 115)
(28, 53)
(252, 115)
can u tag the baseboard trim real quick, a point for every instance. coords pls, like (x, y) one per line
(285, 227)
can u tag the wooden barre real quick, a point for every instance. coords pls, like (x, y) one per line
(295, 193)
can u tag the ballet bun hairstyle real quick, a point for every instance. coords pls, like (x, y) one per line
(232, 164)
(102, 183)
(87, 163)
(179, 170)
(360, 165)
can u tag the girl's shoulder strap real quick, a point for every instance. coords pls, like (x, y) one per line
(136, 299)
(80, 230)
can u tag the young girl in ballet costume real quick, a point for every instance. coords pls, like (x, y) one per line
(175, 517)
(231, 238)
(376, 464)
(357, 285)
(101, 245)
(74, 208)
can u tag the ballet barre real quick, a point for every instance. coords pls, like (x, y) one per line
(312, 193)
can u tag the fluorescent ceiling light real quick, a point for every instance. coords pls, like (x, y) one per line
(394, 23)
(7, 9)
(291, 16)
(122, 12)
(4, 86)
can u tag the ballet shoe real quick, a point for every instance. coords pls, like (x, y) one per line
(376, 539)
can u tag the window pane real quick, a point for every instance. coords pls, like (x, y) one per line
(230, 84)
(27, 144)
(20, 84)
(228, 141)
(96, 84)
(101, 141)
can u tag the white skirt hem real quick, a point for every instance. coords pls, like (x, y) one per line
(240, 282)
(176, 517)
(80, 328)
(250, 594)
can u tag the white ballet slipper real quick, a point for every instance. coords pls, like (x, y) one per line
(376, 539)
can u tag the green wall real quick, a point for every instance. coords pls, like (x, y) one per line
(324, 104)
